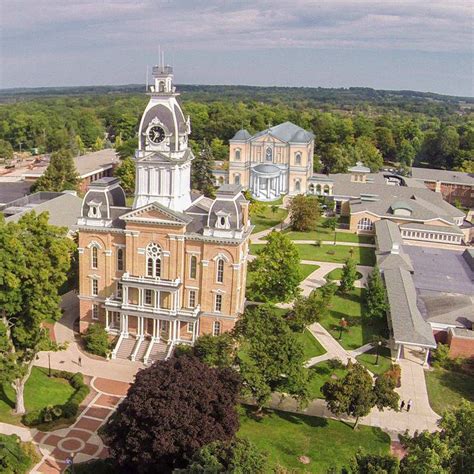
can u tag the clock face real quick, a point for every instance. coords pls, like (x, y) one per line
(156, 134)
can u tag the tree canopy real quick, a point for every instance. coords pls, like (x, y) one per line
(376, 299)
(174, 408)
(304, 213)
(60, 175)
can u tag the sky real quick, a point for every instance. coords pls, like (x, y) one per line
(424, 45)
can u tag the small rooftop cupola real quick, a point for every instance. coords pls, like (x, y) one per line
(102, 195)
(359, 173)
(163, 80)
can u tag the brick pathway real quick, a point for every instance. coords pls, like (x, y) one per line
(81, 438)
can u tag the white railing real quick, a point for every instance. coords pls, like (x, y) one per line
(117, 346)
(139, 342)
(170, 350)
(185, 312)
(126, 277)
(149, 349)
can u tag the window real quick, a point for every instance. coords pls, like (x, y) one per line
(95, 312)
(190, 328)
(193, 267)
(148, 297)
(216, 328)
(237, 154)
(192, 298)
(269, 154)
(119, 291)
(298, 158)
(220, 271)
(120, 265)
(95, 287)
(365, 224)
(153, 261)
(218, 304)
(95, 257)
(237, 179)
(297, 186)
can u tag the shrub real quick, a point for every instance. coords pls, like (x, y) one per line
(395, 373)
(440, 356)
(16, 457)
(96, 340)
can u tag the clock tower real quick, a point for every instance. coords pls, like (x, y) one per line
(163, 158)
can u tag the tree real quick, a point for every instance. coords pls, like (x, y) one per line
(355, 394)
(335, 158)
(349, 276)
(215, 351)
(273, 359)
(34, 261)
(98, 144)
(310, 309)
(14, 458)
(238, 456)
(331, 223)
(406, 153)
(366, 463)
(126, 172)
(6, 150)
(173, 408)
(201, 171)
(60, 174)
(304, 213)
(276, 270)
(450, 450)
(126, 149)
(376, 297)
(366, 152)
(96, 340)
(220, 151)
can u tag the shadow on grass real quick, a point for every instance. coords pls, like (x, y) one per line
(5, 398)
(458, 382)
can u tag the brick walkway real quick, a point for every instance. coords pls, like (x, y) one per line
(81, 438)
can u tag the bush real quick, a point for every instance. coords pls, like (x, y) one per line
(66, 412)
(440, 356)
(96, 340)
(16, 457)
(395, 373)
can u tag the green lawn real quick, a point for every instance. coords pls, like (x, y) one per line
(40, 391)
(331, 253)
(322, 372)
(324, 235)
(266, 218)
(336, 274)
(360, 330)
(311, 346)
(328, 443)
(447, 388)
(369, 358)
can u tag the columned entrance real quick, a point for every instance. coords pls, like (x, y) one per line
(268, 182)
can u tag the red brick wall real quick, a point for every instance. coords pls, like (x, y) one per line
(460, 346)
(454, 192)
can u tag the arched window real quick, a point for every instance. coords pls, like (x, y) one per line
(153, 260)
(298, 158)
(216, 327)
(237, 154)
(326, 190)
(120, 259)
(297, 187)
(237, 178)
(365, 224)
(318, 189)
(220, 271)
(269, 154)
(161, 87)
(193, 267)
(94, 257)
(311, 188)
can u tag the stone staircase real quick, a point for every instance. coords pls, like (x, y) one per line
(126, 348)
(158, 352)
(142, 349)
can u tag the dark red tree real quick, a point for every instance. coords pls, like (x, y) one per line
(174, 408)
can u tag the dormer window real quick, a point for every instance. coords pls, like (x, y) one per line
(222, 221)
(94, 210)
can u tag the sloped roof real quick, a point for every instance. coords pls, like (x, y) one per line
(287, 132)
(242, 135)
(429, 174)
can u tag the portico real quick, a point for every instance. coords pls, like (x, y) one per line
(268, 182)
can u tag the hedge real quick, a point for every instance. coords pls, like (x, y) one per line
(51, 416)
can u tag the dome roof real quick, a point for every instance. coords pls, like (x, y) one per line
(267, 169)
(241, 135)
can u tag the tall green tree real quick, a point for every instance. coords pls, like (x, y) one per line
(273, 360)
(201, 171)
(449, 450)
(60, 175)
(355, 394)
(34, 261)
(376, 298)
(366, 152)
(276, 271)
(126, 172)
(304, 213)
(6, 150)
(349, 276)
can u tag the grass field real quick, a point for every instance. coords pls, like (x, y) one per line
(328, 443)
(323, 234)
(369, 358)
(360, 330)
(40, 391)
(266, 218)
(447, 388)
(311, 346)
(321, 373)
(336, 274)
(331, 253)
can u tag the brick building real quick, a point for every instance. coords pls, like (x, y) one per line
(172, 266)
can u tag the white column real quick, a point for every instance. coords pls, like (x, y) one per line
(399, 352)
(141, 292)
(194, 331)
(140, 326)
(178, 329)
(106, 319)
(427, 354)
(125, 294)
(158, 330)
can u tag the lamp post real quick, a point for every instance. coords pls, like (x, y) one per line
(379, 344)
(49, 365)
(342, 324)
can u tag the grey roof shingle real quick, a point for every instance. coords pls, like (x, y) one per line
(450, 229)
(287, 132)
(407, 323)
(429, 174)
(9, 191)
(241, 135)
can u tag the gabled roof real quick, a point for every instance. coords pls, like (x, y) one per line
(429, 174)
(241, 135)
(156, 213)
(287, 132)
